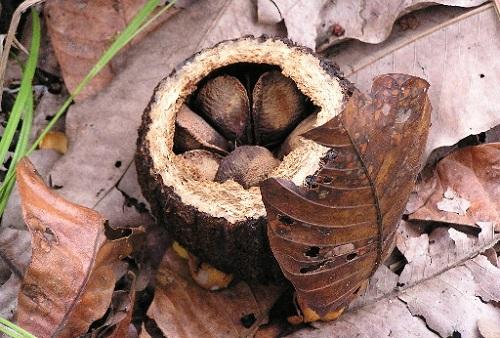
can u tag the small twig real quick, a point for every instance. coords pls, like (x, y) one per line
(20, 46)
(9, 40)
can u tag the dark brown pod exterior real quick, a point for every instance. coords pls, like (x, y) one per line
(247, 165)
(193, 132)
(331, 233)
(223, 100)
(277, 107)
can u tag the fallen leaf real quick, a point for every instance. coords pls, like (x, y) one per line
(313, 23)
(15, 255)
(80, 32)
(488, 327)
(455, 54)
(181, 308)
(43, 160)
(76, 260)
(427, 297)
(95, 146)
(465, 188)
(117, 323)
(331, 234)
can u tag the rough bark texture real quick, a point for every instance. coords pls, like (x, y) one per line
(240, 247)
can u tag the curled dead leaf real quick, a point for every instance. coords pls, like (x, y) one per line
(181, 308)
(76, 260)
(464, 188)
(81, 32)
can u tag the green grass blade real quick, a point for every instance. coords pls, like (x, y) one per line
(132, 30)
(24, 90)
(13, 330)
(19, 152)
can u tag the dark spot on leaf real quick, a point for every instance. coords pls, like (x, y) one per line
(456, 334)
(248, 320)
(287, 220)
(312, 251)
(481, 76)
(400, 284)
(118, 164)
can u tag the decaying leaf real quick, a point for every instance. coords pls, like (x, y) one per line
(81, 31)
(117, 323)
(181, 308)
(76, 260)
(316, 24)
(15, 255)
(445, 306)
(456, 54)
(464, 189)
(331, 234)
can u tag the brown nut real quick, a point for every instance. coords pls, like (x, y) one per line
(277, 107)
(193, 132)
(223, 100)
(207, 276)
(247, 165)
(202, 163)
(55, 140)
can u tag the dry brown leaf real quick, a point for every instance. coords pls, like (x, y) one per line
(464, 189)
(331, 234)
(95, 147)
(76, 261)
(420, 297)
(117, 323)
(181, 308)
(315, 23)
(15, 255)
(456, 55)
(81, 31)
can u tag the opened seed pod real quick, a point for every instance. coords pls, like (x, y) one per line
(325, 217)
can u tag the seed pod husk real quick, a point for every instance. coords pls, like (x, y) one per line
(247, 165)
(224, 102)
(326, 217)
(199, 214)
(277, 107)
(193, 132)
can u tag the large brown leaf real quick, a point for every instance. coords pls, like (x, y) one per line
(76, 261)
(80, 32)
(331, 234)
(464, 189)
(181, 308)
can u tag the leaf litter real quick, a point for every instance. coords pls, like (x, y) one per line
(437, 255)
